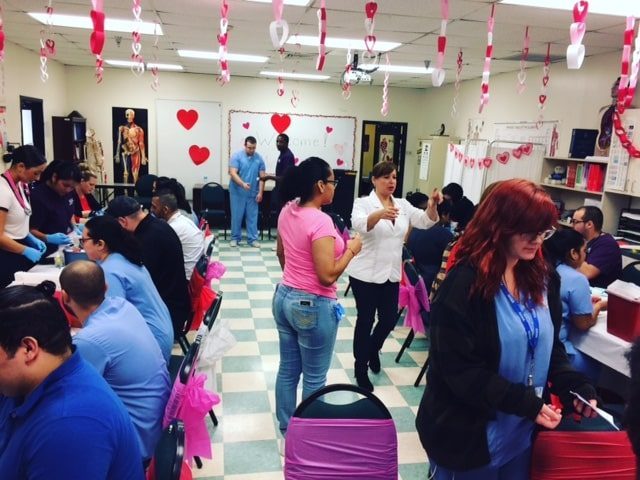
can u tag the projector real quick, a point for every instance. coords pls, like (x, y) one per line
(356, 76)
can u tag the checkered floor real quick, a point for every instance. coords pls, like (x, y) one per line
(245, 444)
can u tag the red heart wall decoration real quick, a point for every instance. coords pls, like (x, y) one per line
(527, 148)
(339, 162)
(487, 161)
(517, 152)
(246, 125)
(198, 155)
(280, 122)
(329, 129)
(187, 118)
(503, 157)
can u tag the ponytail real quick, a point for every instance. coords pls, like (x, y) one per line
(300, 182)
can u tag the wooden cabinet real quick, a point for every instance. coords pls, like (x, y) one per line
(69, 138)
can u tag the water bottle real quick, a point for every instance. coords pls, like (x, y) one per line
(58, 259)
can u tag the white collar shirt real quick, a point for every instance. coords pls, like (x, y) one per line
(191, 238)
(380, 259)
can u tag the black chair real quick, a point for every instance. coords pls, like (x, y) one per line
(144, 190)
(213, 206)
(212, 313)
(169, 452)
(631, 273)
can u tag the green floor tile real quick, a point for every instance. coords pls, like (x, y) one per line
(239, 403)
(344, 346)
(236, 312)
(259, 288)
(414, 471)
(241, 364)
(380, 379)
(236, 296)
(411, 394)
(231, 281)
(251, 457)
(244, 335)
(403, 417)
(215, 432)
(262, 323)
(269, 348)
(233, 268)
(261, 303)
(389, 359)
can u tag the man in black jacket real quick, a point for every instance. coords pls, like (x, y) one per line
(161, 253)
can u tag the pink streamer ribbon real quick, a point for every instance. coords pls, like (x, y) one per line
(415, 300)
(542, 98)
(522, 74)
(346, 86)
(486, 71)
(1, 35)
(97, 39)
(155, 73)
(454, 105)
(322, 35)
(223, 37)
(136, 46)
(576, 51)
(280, 90)
(384, 110)
(438, 74)
(47, 45)
(370, 9)
(279, 28)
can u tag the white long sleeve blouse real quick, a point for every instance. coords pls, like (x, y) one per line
(381, 256)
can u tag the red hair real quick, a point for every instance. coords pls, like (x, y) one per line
(514, 207)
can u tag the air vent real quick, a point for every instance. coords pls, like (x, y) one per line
(533, 57)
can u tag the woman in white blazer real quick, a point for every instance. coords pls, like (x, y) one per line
(375, 273)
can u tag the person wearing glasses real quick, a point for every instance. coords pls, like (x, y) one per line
(383, 222)
(312, 255)
(119, 254)
(604, 258)
(494, 344)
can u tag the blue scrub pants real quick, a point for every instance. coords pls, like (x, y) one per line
(244, 206)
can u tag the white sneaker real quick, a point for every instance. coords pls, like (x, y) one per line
(233, 243)
(255, 244)
(281, 447)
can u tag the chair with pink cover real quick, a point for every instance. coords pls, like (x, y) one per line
(331, 441)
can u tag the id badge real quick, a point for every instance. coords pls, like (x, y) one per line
(539, 391)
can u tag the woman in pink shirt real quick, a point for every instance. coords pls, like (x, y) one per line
(313, 255)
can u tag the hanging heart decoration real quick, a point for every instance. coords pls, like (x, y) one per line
(1, 35)
(454, 106)
(486, 70)
(295, 98)
(576, 51)
(346, 84)
(627, 87)
(280, 90)
(322, 35)
(279, 28)
(47, 45)
(370, 9)
(96, 41)
(136, 46)
(470, 161)
(542, 98)
(522, 74)
(153, 67)
(437, 75)
(223, 61)
(384, 110)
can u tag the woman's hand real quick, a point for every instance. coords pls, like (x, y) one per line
(355, 244)
(432, 205)
(549, 417)
(389, 213)
(584, 410)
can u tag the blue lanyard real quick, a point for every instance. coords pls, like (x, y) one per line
(532, 335)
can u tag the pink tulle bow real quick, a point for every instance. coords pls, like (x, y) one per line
(196, 402)
(415, 299)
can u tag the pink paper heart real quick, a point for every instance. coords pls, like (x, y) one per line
(472, 162)
(339, 162)
(96, 42)
(370, 42)
(487, 161)
(527, 148)
(503, 157)
(187, 118)
(370, 9)
(198, 155)
(542, 98)
(246, 125)
(517, 152)
(329, 129)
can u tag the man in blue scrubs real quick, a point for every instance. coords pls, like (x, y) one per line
(246, 167)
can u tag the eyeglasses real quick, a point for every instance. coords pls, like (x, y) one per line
(82, 240)
(546, 235)
(333, 182)
(573, 221)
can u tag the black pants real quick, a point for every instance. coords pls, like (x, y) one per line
(11, 263)
(372, 297)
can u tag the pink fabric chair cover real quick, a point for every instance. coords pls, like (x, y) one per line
(215, 270)
(339, 449)
(415, 299)
(190, 403)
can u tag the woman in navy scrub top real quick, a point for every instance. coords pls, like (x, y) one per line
(19, 249)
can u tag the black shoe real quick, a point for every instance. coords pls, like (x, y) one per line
(374, 363)
(364, 382)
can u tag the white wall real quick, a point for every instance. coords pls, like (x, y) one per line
(22, 77)
(121, 88)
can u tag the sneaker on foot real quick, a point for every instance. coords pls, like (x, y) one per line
(255, 245)
(233, 243)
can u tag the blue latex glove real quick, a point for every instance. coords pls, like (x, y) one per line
(32, 254)
(79, 228)
(58, 239)
(36, 243)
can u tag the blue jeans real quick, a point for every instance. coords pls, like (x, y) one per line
(307, 327)
(516, 469)
(244, 206)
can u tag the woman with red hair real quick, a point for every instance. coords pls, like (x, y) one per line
(494, 343)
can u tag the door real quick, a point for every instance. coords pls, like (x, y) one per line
(32, 118)
(381, 141)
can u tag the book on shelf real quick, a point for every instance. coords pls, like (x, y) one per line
(571, 175)
(580, 175)
(595, 178)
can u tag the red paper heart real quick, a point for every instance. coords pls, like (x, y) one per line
(472, 162)
(503, 157)
(1, 40)
(245, 125)
(517, 152)
(545, 80)
(296, 161)
(542, 98)
(339, 162)
(198, 155)
(485, 87)
(97, 18)
(280, 122)
(527, 148)
(370, 9)
(487, 161)
(96, 42)
(51, 46)
(329, 129)
(187, 118)
(580, 10)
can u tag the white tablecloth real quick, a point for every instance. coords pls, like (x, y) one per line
(601, 345)
(38, 274)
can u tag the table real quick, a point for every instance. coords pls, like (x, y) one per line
(107, 190)
(602, 346)
(38, 274)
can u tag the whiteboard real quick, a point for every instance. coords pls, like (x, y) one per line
(331, 138)
(189, 138)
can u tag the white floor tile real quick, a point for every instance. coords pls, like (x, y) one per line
(243, 382)
(249, 427)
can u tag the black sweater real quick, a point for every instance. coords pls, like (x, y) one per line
(464, 390)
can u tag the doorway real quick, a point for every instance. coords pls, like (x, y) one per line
(381, 141)
(32, 120)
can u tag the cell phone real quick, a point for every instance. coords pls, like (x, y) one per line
(606, 416)
(306, 303)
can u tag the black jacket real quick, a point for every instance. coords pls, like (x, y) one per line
(94, 205)
(464, 390)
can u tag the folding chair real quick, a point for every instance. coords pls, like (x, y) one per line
(337, 441)
(213, 206)
(631, 273)
(168, 457)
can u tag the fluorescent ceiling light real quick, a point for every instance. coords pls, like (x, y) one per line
(295, 76)
(234, 57)
(130, 63)
(298, 3)
(396, 68)
(345, 43)
(110, 24)
(604, 7)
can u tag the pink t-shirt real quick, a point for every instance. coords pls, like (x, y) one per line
(298, 227)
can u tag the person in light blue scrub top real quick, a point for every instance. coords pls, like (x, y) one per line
(246, 167)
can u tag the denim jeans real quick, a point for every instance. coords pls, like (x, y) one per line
(516, 469)
(307, 327)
